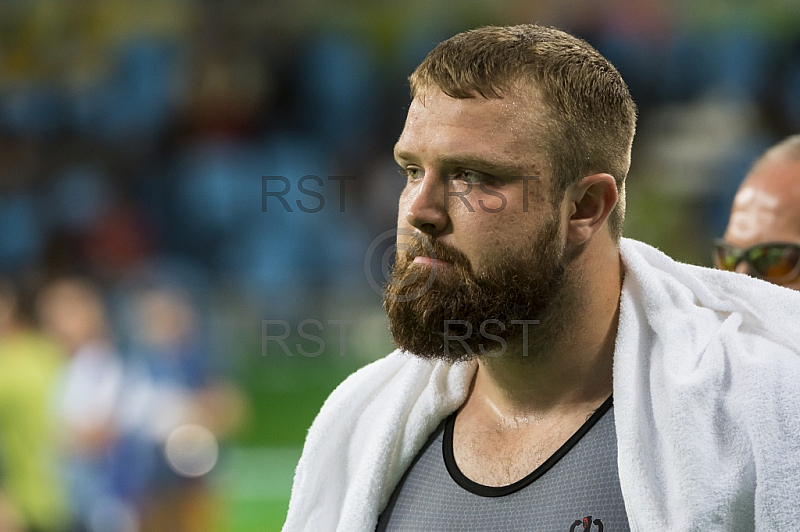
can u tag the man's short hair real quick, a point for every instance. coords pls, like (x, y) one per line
(590, 117)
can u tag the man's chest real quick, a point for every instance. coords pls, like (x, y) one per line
(574, 489)
(498, 456)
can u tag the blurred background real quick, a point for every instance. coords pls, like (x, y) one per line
(194, 199)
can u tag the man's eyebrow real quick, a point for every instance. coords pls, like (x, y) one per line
(400, 155)
(469, 161)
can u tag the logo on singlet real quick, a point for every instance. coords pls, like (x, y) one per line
(586, 523)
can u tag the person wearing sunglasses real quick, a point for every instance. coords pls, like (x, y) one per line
(763, 234)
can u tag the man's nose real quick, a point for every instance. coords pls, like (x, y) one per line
(744, 267)
(427, 210)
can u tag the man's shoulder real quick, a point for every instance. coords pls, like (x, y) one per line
(392, 386)
(375, 375)
(705, 371)
(378, 383)
(703, 331)
(704, 302)
(391, 366)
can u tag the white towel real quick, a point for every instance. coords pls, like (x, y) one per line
(706, 398)
(365, 436)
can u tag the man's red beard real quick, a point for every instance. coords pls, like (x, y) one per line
(448, 312)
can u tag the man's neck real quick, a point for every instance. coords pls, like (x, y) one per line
(568, 363)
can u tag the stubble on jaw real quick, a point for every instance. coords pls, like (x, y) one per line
(431, 318)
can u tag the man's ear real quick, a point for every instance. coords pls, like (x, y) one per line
(591, 200)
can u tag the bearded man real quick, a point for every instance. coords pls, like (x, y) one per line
(519, 312)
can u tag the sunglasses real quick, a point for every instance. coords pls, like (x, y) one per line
(776, 262)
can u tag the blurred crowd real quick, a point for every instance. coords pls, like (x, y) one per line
(136, 235)
(97, 437)
(139, 132)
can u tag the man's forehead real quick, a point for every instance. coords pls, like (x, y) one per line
(513, 100)
(765, 209)
(756, 197)
(503, 123)
(479, 113)
(777, 176)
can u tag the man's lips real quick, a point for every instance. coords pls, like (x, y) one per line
(428, 261)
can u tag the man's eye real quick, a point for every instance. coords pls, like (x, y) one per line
(471, 176)
(410, 172)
